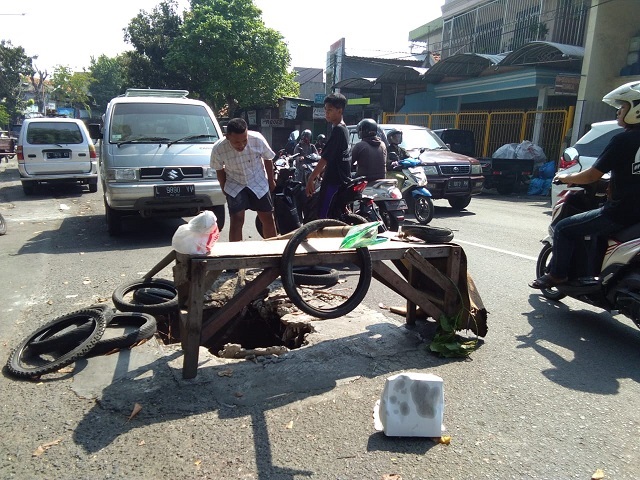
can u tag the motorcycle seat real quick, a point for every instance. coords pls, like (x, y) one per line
(628, 233)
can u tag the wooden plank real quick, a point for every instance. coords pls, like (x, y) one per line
(452, 295)
(384, 274)
(410, 318)
(181, 279)
(170, 257)
(192, 321)
(428, 269)
(238, 302)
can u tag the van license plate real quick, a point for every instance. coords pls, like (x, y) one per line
(175, 190)
(458, 184)
(58, 154)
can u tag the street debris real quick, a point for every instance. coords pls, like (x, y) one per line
(136, 410)
(44, 447)
(234, 350)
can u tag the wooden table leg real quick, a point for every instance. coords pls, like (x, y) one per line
(452, 294)
(192, 319)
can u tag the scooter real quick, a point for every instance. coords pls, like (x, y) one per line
(388, 199)
(412, 182)
(604, 271)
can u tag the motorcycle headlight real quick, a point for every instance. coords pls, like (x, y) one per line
(121, 174)
(430, 170)
(476, 169)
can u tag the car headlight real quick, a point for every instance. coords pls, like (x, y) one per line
(430, 170)
(210, 173)
(476, 169)
(121, 174)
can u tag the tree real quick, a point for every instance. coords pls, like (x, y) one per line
(38, 80)
(231, 57)
(70, 88)
(108, 80)
(151, 35)
(14, 66)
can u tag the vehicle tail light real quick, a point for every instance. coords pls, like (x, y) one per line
(92, 151)
(562, 164)
(395, 193)
(359, 187)
(20, 153)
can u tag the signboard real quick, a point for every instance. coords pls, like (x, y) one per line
(251, 117)
(567, 84)
(290, 109)
(359, 101)
(318, 113)
(319, 98)
(272, 122)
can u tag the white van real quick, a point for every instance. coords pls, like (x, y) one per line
(154, 157)
(56, 150)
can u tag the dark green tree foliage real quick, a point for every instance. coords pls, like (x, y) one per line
(108, 80)
(231, 57)
(14, 65)
(151, 35)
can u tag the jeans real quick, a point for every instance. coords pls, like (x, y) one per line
(570, 230)
(327, 192)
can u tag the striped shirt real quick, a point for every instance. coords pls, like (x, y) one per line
(245, 168)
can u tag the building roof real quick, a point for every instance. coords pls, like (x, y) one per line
(536, 53)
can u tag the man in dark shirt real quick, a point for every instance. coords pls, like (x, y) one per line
(621, 157)
(370, 153)
(334, 166)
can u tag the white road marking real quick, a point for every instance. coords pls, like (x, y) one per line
(499, 250)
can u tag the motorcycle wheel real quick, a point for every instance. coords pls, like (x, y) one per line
(542, 268)
(423, 209)
(390, 220)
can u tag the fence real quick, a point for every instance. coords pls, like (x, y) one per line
(546, 128)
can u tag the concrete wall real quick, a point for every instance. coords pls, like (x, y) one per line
(610, 26)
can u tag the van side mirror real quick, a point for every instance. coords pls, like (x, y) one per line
(94, 130)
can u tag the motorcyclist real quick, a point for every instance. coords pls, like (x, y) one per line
(321, 141)
(621, 157)
(394, 136)
(370, 153)
(304, 145)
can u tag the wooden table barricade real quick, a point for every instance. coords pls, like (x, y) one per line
(432, 277)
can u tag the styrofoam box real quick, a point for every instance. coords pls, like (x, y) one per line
(411, 405)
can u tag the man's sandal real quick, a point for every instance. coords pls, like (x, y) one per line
(546, 282)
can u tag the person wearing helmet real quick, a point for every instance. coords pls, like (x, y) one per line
(321, 140)
(621, 157)
(394, 136)
(370, 153)
(304, 145)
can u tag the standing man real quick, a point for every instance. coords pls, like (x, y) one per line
(243, 161)
(334, 166)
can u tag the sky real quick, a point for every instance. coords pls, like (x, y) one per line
(70, 32)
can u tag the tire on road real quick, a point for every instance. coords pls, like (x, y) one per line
(145, 327)
(123, 304)
(428, 233)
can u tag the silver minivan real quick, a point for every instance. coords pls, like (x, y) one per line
(56, 150)
(155, 157)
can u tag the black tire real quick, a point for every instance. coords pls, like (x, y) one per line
(505, 188)
(315, 275)
(423, 209)
(123, 304)
(17, 365)
(258, 224)
(429, 234)
(542, 268)
(145, 328)
(288, 282)
(58, 340)
(93, 187)
(3, 225)
(390, 220)
(28, 188)
(152, 296)
(350, 219)
(113, 219)
(460, 203)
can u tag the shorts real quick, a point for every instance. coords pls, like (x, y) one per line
(247, 200)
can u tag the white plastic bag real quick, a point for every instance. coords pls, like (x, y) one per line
(198, 236)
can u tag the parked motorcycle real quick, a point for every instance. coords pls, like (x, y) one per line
(292, 207)
(604, 271)
(412, 182)
(387, 197)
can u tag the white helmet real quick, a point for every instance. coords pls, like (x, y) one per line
(630, 93)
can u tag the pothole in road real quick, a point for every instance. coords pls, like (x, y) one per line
(263, 324)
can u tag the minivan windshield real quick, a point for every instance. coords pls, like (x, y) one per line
(418, 138)
(164, 122)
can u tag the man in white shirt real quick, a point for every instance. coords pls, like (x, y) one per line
(243, 161)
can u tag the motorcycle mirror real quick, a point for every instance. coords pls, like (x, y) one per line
(570, 154)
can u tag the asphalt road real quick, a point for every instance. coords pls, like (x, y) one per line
(552, 392)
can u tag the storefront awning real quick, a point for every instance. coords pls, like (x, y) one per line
(544, 53)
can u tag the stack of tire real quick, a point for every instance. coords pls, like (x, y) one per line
(69, 337)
